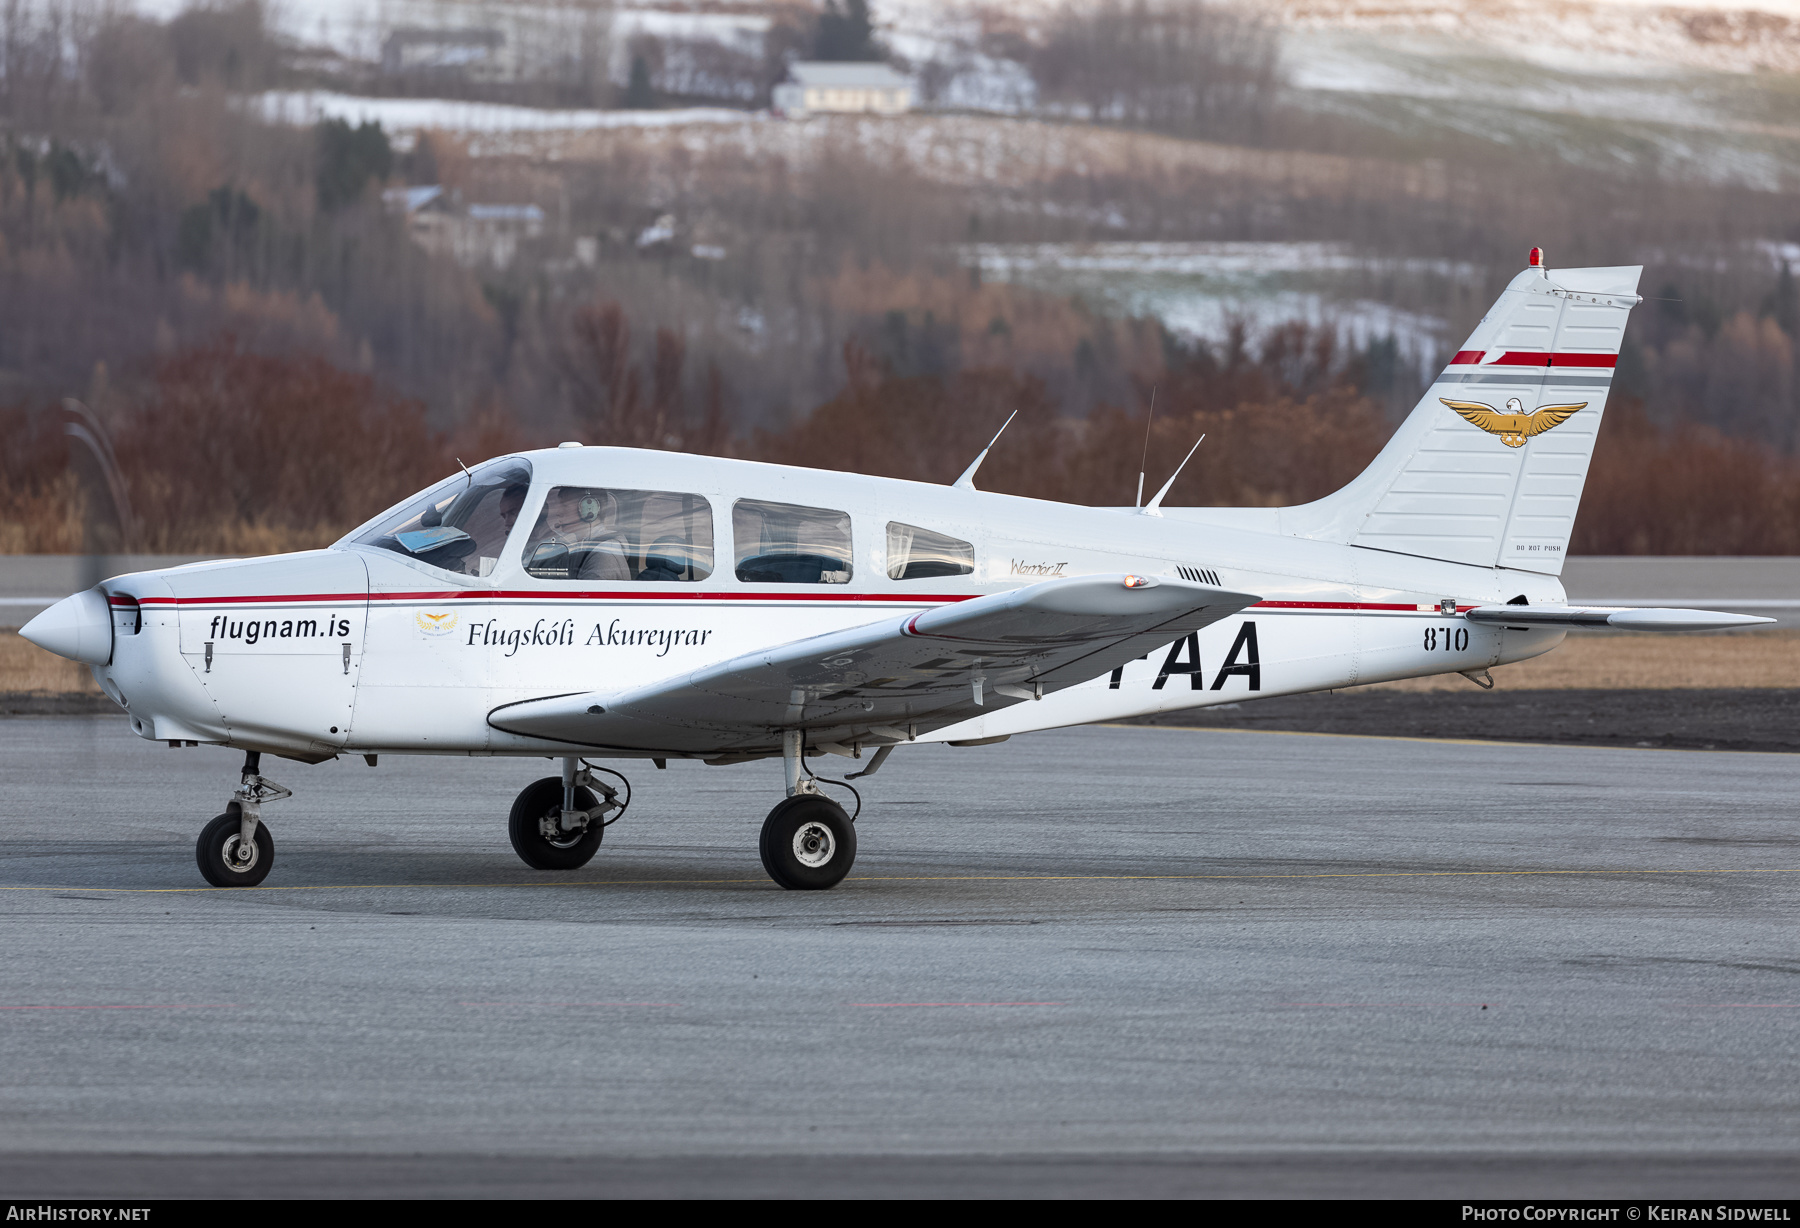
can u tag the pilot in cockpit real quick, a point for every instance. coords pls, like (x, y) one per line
(577, 537)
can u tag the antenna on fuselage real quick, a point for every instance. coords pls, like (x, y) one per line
(1156, 503)
(1144, 461)
(967, 480)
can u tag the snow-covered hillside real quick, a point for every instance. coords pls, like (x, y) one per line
(1595, 36)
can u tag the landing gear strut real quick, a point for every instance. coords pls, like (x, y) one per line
(235, 849)
(808, 842)
(557, 823)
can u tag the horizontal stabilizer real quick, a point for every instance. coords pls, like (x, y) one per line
(1619, 619)
(894, 679)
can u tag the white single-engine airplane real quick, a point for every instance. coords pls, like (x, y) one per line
(588, 602)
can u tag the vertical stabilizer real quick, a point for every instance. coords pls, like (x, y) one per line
(1488, 469)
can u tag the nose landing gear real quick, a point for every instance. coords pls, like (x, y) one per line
(235, 849)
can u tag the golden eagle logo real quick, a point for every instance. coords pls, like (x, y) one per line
(1514, 426)
(435, 624)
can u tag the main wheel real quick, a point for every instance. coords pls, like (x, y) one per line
(808, 843)
(218, 848)
(540, 807)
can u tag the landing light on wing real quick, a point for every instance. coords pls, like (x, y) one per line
(1139, 582)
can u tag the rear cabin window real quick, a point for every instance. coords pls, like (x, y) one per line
(621, 536)
(919, 554)
(784, 543)
(461, 524)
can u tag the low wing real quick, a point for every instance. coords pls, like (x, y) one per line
(1631, 618)
(1484, 416)
(892, 679)
(1545, 417)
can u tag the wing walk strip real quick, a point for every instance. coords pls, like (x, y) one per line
(921, 878)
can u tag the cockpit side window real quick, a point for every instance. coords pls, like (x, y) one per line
(618, 536)
(784, 543)
(461, 524)
(919, 554)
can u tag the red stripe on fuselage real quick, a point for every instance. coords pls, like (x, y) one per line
(1409, 607)
(512, 595)
(271, 599)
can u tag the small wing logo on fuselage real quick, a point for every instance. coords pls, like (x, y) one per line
(1514, 426)
(435, 624)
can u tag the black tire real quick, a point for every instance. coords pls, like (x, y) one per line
(538, 801)
(792, 839)
(217, 848)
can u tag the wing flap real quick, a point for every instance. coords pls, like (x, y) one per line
(914, 673)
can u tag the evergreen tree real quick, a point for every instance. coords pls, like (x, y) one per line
(348, 159)
(846, 32)
(1784, 303)
(640, 95)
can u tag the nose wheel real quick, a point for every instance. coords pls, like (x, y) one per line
(235, 849)
(808, 843)
(227, 859)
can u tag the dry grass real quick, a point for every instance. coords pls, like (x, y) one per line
(1654, 662)
(951, 150)
(26, 669)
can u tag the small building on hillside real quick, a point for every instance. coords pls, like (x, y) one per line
(472, 235)
(816, 87)
(474, 54)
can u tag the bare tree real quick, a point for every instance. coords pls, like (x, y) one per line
(1176, 65)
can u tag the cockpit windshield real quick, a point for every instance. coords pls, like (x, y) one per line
(461, 524)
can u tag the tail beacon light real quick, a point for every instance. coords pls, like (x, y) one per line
(1537, 257)
(79, 628)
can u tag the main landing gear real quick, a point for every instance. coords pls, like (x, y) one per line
(808, 842)
(557, 822)
(235, 849)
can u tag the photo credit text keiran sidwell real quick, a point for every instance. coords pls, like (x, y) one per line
(1578, 1211)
